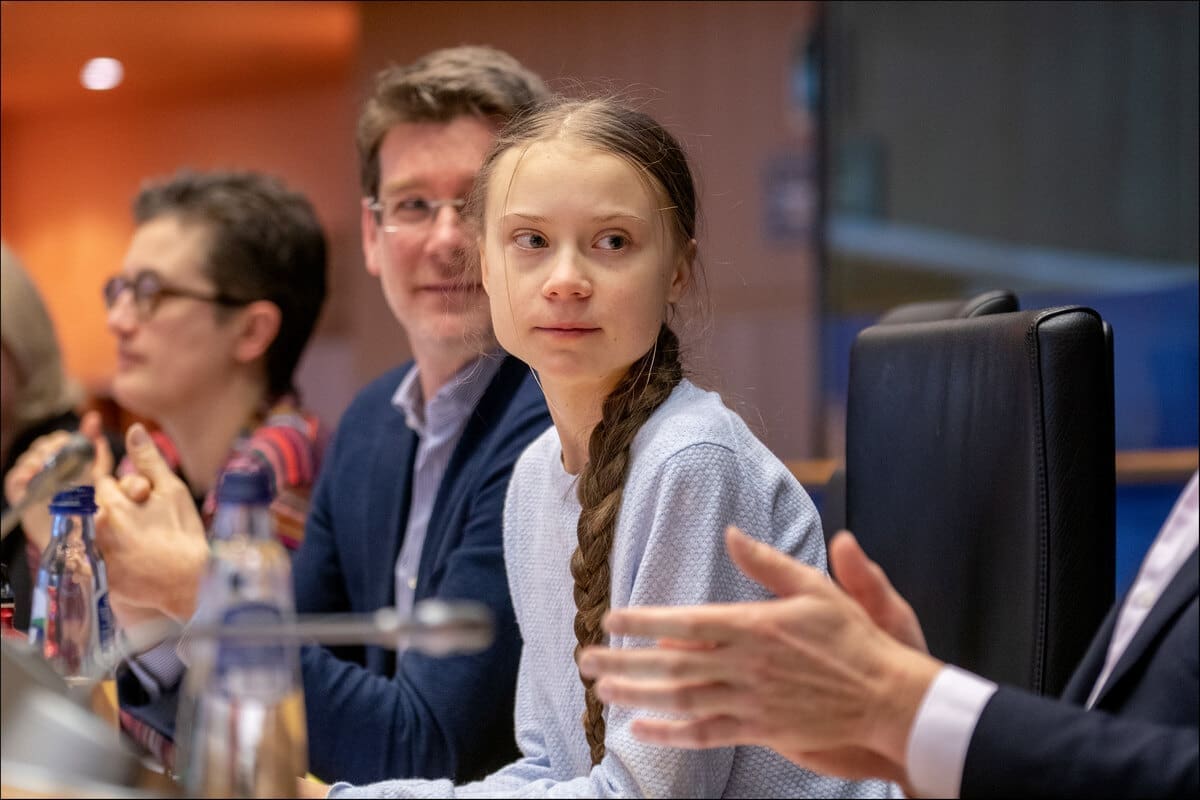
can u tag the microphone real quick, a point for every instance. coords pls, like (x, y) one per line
(437, 628)
(59, 471)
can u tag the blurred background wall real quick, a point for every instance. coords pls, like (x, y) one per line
(1049, 148)
(1046, 148)
(277, 86)
(852, 156)
(266, 86)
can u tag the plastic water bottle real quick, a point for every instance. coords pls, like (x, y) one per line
(71, 622)
(240, 726)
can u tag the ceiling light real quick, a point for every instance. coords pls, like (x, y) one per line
(100, 74)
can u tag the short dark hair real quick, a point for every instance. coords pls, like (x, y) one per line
(441, 86)
(266, 244)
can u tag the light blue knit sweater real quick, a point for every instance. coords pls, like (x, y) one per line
(696, 468)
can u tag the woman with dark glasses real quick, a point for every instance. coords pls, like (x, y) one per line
(211, 310)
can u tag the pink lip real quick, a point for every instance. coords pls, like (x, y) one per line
(567, 330)
(126, 359)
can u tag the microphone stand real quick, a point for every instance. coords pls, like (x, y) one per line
(51, 744)
(437, 628)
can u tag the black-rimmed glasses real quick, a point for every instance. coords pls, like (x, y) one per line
(148, 289)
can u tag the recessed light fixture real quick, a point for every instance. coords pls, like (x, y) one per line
(100, 74)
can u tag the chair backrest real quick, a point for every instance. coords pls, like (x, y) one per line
(996, 301)
(980, 475)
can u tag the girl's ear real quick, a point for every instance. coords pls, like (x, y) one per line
(258, 327)
(681, 275)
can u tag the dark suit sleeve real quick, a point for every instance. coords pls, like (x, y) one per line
(1029, 746)
(448, 717)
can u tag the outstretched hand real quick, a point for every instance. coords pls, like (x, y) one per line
(810, 674)
(866, 582)
(151, 535)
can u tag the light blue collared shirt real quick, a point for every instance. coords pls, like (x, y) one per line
(439, 424)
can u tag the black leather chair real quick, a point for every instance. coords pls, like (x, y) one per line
(996, 301)
(980, 475)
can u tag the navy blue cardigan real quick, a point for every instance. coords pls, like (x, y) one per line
(371, 717)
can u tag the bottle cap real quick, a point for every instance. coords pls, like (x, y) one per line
(245, 484)
(76, 500)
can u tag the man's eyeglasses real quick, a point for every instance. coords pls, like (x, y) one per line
(409, 212)
(148, 289)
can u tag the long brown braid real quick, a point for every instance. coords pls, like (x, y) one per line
(610, 127)
(646, 386)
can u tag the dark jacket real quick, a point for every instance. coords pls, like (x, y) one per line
(1142, 738)
(371, 717)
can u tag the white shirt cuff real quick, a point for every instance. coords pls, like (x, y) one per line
(942, 730)
(158, 669)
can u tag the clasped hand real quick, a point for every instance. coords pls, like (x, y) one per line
(151, 536)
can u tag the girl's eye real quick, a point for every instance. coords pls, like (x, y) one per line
(613, 241)
(529, 240)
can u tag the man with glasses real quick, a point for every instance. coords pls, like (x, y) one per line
(409, 502)
(219, 292)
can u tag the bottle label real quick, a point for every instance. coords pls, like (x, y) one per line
(104, 615)
(43, 621)
(247, 655)
(37, 617)
(104, 621)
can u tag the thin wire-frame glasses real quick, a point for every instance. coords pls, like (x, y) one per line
(409, 212)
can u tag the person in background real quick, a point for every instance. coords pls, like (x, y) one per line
(218, 295)
(36, 399)
(409, 502)
(585, 213)
(839, 679)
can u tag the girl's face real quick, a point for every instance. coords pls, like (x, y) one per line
(578, 262)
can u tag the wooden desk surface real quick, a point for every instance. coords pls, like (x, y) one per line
(104, 702)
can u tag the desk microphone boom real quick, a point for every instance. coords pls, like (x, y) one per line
(61, 470)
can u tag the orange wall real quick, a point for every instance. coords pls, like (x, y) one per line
(716, 72)
(69, 181)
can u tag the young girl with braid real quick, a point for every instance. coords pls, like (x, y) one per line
(586, 217)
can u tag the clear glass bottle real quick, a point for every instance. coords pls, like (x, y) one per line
(70, 621)
(240, 729)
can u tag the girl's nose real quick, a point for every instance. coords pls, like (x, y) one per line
(567, 278)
